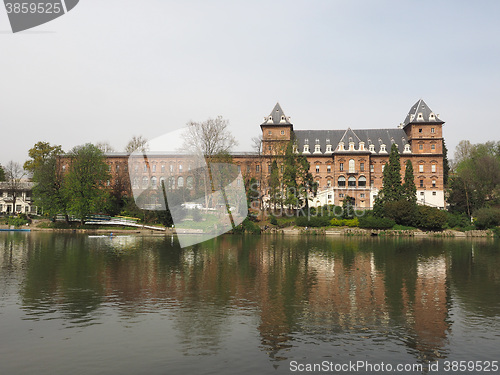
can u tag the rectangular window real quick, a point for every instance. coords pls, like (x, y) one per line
(317, 168)
(421, 193)
(145, 168)
(163, 168)
(269, 132)
(361, 195)
(420, 167)
(433, 168)
(433, 193)
(420, 130)
(154, 168)
(328, 168)
(421, 183)
(372, 168)
(433, 183)
(432, 130)
(433, 147)
(171, 168)
(117, 168)
(341, 167)
(257, 168)
(341, 195)
(180, 168)
(269, 168)
(362, 167)
(282, 132)
(420, 147)
(18, 207)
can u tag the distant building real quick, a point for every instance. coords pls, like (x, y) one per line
(22, 192)
(342, 161)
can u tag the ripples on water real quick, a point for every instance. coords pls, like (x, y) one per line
(122, 305)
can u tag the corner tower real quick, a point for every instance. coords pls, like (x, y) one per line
(424, 130)
(276, 132)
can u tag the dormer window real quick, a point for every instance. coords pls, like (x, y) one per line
(306, 149)
(382, 148)
(317, 149)
(371, 148)
(432, 117)
(351, 146)
(341, 146)
(361, 146)
(328, 148)
(420, 117)
(407, 148)
(295, 149)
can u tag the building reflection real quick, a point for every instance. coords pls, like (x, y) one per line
(295, 287)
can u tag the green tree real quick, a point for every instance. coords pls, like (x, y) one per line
(446, 164)
(392, 190)
(274, 185)
(85, 184)
(39, 154)
(2, 173)
(409, 188)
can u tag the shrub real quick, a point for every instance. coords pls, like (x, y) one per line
(336, 222)
(402, 212)
(351, 222)
(372, 222)
(312, 221)
(273, 220)
(487, 217)
(457, 220)
(17, 221)
(430, 218)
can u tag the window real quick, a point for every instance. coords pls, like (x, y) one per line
(145, 181)
(282, 132)
(372, 168)
(341, 181)
(421, 193)
(362, 195)
(362, 181)
(306, 148)
(383, 167)
(351, 182)
(328, 183)
(421, 183)
(433, 147)
(341, 167)
(420, 167)
(109, 168)
(351, 166)
(154, 168)
(420, 130)
(162, 182)
(163, 168)
(145, 167)
(257, 168)
(190, 182)
(420, 146)
(108, 183)
(362, 167)
(433, 167)
(317, 168)
(433, 183)
(153, 182)
(329, 196)
(317, 148)
(64, 168)
(329, 168)
(180, 182)
(432, 130)
(433, 193)
(117, 168)
(171, 182)
(180, 168)
(269, 168)
(269, 132)
(341, 195)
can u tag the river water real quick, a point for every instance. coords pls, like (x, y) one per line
(73, 304)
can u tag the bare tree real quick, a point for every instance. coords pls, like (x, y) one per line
(14, 174)
(136, 143)
(257, 144)
(104, 147)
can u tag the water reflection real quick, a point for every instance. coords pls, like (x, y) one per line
(292, 293)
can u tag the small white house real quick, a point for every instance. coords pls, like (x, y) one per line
(17, 198)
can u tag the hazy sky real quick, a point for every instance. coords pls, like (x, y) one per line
(111, 69)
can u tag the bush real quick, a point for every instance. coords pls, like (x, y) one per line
(457, 220)
(372, 222)
(273, 220)
(430, 218)
(17, 221)
(487, 217)
(312, 221)
(247, 226)
(402, 212)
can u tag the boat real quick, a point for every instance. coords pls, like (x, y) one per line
(14, 230)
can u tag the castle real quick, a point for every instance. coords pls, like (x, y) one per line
(342, 162)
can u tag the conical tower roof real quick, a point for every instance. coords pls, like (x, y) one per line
(421, 113)
(277, 117)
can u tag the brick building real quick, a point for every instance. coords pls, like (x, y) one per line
(342, 161)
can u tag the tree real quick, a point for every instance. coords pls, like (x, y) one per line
(274, 185)
(446, 164)
(2, 173)
(47, 192)
(39, 154)
(14, 175)
(105, 147)
(85, 184)
(392, 189)
(409, 188)
(136, 143)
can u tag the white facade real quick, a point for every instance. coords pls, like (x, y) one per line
(23, 202)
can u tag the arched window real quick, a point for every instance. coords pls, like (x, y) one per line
(180, 182)
(362, 181)
(145, 182)
(162, 181)
(153, 182)
(190, 182)
(341, 181)
(352, 166)
(171, 182)
(351, 182)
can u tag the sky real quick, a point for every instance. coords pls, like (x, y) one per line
(109, 70)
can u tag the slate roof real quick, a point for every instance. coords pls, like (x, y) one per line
(368, 136)
(421, 113)
(276, 116)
